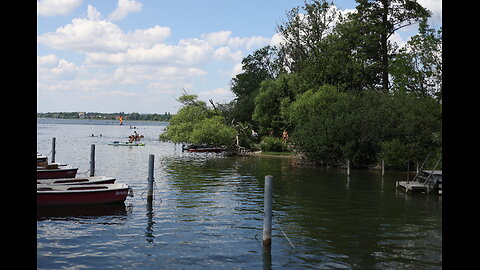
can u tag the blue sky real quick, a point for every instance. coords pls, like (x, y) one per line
(137, 55)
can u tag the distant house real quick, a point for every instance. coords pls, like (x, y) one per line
(81, 115)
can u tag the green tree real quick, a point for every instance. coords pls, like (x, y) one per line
(322, 120)
(261, 65)
(196, 123)
(380, 19)
(273, 97)
(418, 66)
(304, 31)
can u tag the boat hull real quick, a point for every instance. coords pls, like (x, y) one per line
(206, 150)
(81, 195)
(66, 172)
(77, 181)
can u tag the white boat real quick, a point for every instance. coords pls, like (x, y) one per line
(92, 180)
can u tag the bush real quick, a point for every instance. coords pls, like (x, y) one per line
(272, 144)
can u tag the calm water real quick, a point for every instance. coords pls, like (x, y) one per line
(208, 211)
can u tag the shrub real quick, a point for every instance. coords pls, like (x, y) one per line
(272, 144)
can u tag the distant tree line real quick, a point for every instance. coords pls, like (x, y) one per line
(339, 86)
(108, 116)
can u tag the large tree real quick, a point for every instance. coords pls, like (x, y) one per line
(418, 66)
(261, 65)
(380, 19)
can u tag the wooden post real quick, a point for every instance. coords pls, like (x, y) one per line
(383, 167)
(150, 178)
(348, 166)
(267, 205)
(53, 150)
(92, 160)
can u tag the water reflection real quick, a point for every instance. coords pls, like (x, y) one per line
(149, 230)
(82, 211)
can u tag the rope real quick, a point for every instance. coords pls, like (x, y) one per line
(286, 236)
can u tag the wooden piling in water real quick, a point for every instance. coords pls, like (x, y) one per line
(53, 149)
(92, 160)
(267, 205)
(348, 166)
(150, 178)
(383, 167)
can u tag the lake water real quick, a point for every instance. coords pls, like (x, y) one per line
(208, 210)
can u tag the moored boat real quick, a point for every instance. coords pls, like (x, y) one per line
(41, 160)
(55, 170)
(202, 148)
(50, 195)
(92, 180)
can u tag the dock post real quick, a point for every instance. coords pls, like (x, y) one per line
(92, 160)
(150, 178)
(53, 150)
(267, 205)
(348, 166)
(383, 167)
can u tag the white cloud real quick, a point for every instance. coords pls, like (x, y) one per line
(224, 54)
(119, 63)
(435, 6)
(218, 95)
(124, 7)
(84, 35)
(93, 14)
(57, 7)
(217, 38)
(50, 60)
(237, 69)
(248, 42)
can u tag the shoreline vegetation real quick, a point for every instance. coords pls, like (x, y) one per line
(335, 89)
(108, 116)
(338, 86)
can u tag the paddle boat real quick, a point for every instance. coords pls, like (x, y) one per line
(51, 195)
(117, 143)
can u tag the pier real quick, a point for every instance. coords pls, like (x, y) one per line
(425, 182)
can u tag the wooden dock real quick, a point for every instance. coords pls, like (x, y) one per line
(425, 182)
(412, 186)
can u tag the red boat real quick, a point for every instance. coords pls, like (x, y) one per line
(92, 180)
(56, 171)
(202, 148)
(50, 195)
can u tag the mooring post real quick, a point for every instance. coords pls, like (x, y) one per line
(348, 166)
(53, 150)
(267, 206)
(383, 167)
(150, 178)
(92, 160)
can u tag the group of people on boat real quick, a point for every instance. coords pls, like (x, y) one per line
(135, 137)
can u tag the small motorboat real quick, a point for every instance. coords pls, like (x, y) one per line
(55, 170)
(51, 195)
(117, 143)
(92, 180)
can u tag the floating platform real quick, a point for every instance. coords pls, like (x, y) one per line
(430, 181)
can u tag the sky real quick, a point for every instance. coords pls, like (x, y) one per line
(138, 55)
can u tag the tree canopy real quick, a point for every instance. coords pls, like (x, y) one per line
(340, 86)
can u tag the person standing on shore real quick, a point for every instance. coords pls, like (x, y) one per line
(285, 136)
